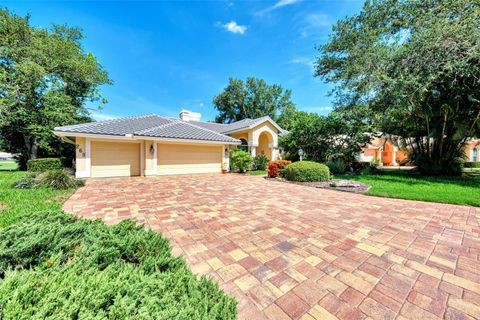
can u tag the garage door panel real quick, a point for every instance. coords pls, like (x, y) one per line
(188, 159)
(115, 159)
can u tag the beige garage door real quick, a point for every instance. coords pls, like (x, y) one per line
(115, 159)
(188, 159)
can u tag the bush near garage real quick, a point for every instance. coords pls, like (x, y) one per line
(59, 179)
(276, 166)
(260, 162)
(44, 164)
(55, 266)
(241, 160)
(471, 164)
(306, 171)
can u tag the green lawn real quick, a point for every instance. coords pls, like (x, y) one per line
(8, 165)
(15, 202)
(410, 185)
(257, 172)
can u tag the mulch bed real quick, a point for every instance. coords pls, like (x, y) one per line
(339, 185)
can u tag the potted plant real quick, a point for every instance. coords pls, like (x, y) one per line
(225, 168)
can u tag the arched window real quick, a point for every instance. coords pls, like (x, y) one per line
(475, 154)
(244, 145)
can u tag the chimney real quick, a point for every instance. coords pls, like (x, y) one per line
(187, 115)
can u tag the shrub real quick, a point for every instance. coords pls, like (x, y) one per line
(260, 162)
(44, 164)
(55, 266)
(306, 171)
(472, 164)
(26, 182)
(337, 166)
(376, 163)
(54, 179)
(241, 160)
(276, 166)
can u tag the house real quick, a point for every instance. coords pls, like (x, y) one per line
(6, 156)
(384, 150)
(151, 145)
(389, 154)
(472, 150)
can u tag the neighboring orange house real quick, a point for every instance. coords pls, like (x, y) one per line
(390, 155)
(385, 150)
(472, 150)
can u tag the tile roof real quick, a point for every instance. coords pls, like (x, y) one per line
(150, 125)
(232, 127)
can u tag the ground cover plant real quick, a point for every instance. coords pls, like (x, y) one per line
(411, 185)
(257, 172)
(55, 266)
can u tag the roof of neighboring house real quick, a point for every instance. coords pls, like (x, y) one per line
(150, 125)
(236, 126)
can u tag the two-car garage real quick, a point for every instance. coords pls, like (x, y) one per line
(123, 159)
(146, 145)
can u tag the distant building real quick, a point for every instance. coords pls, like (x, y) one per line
(388, 153)
(5, 156)
(385, 151)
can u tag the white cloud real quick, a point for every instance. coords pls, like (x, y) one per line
(282, 3)
(278, 4)
(233, 27)
(99, 116)
(320, 109)
(305, 62)
(315, 24)
(319, 20)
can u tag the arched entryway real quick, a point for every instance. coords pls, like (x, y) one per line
(265, 142)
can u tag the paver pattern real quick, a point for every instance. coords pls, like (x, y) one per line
(294, 252)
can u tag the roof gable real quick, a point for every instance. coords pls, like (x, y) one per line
(244, 124)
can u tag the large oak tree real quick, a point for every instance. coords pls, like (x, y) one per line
(415, 66)
(45, 79)
(252, 99)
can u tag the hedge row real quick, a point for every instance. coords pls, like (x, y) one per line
(472, 164)
(54, 266)
(44, 164)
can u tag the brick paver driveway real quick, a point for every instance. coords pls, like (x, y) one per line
(288, 252)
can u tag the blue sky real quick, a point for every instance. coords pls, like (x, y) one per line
(165, 56)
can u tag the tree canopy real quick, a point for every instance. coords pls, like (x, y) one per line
(45, 80)
(250, 99)
(339, 135)
(415, 67)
